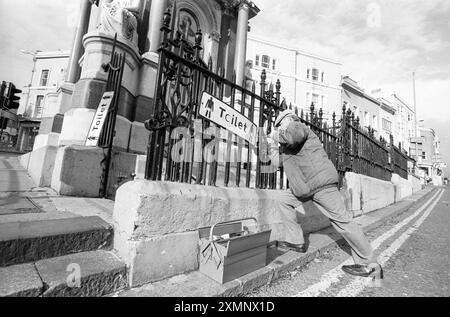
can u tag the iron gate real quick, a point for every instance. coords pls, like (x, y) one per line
(114, 83)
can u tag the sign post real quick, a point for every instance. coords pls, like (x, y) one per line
(230, 119)
(99, 119)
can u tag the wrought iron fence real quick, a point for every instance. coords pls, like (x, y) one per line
(182, 79)
(399, 160)
(115, 70)
(185, 147)
(362, 152)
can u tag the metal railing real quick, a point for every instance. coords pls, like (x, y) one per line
(177, 130)
(115, 69)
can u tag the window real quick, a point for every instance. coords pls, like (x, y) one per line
(387, 125)
(315, 74)
(308, 73)
(38, 107)
(375, 122)
(44, 78)
(265, 61)
(257, 60)
(274, 64)
(366, 119)
(424, 155)
(323, 77)
(315, 99)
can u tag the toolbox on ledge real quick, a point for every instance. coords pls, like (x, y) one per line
(229, 250)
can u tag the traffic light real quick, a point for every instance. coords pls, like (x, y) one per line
(13, 99)
(2, 93)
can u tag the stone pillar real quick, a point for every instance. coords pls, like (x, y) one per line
(77, 48)
(156, 17)
(241, 42)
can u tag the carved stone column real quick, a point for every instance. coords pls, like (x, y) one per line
(241, 42)
(156, 16)
(77, 49)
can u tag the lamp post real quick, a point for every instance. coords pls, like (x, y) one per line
(32, 73)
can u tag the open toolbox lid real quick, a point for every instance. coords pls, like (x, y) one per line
(231, 238)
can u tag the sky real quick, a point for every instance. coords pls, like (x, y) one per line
(380, 43)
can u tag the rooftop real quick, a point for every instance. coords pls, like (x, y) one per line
(298, 51)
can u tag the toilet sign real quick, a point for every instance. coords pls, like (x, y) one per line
(225, 116)
(99, 119)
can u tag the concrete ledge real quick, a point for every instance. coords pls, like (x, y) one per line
(24, 242)
(156, 223)
(196, 284)
(365, 194)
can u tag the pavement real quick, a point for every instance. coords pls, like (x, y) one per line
(21, 200)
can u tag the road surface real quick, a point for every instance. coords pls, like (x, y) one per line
(413, 247)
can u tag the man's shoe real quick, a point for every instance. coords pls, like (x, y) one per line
(300, 248)
(374, 271)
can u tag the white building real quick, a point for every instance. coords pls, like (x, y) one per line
(405, 122)
(40, 99)
(305, 78)
(404, 127)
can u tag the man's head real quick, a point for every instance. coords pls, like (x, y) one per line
(284, 117)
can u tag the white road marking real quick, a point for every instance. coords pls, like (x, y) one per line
(333, 276)
(358, 285)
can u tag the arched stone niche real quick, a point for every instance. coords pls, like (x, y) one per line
(206, 15)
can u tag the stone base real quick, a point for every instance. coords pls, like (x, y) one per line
(76, 126)
(77, 123)
(40, 164)
(156, 223)
(139, 137)
(43, 140)
(78, 171)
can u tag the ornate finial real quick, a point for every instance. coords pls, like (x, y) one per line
(198, 39)
(263, 76)
(167, 18)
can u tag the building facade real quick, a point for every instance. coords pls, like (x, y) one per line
(387, 116)
(405, 122)
(40, 98)
(305, 78)
(426, 149)
(363, 105)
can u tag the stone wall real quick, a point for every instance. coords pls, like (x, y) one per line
(156, 223)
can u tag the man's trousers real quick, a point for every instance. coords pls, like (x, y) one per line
(331, 203)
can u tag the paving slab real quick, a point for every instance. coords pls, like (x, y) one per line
(20, 281)
(88, 274)
(85, 207)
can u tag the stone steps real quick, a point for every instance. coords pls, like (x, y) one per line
(86, 274)
(31, 241)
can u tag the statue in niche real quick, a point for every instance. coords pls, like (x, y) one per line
(187, 26)
(121, 17)
(248, 75)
